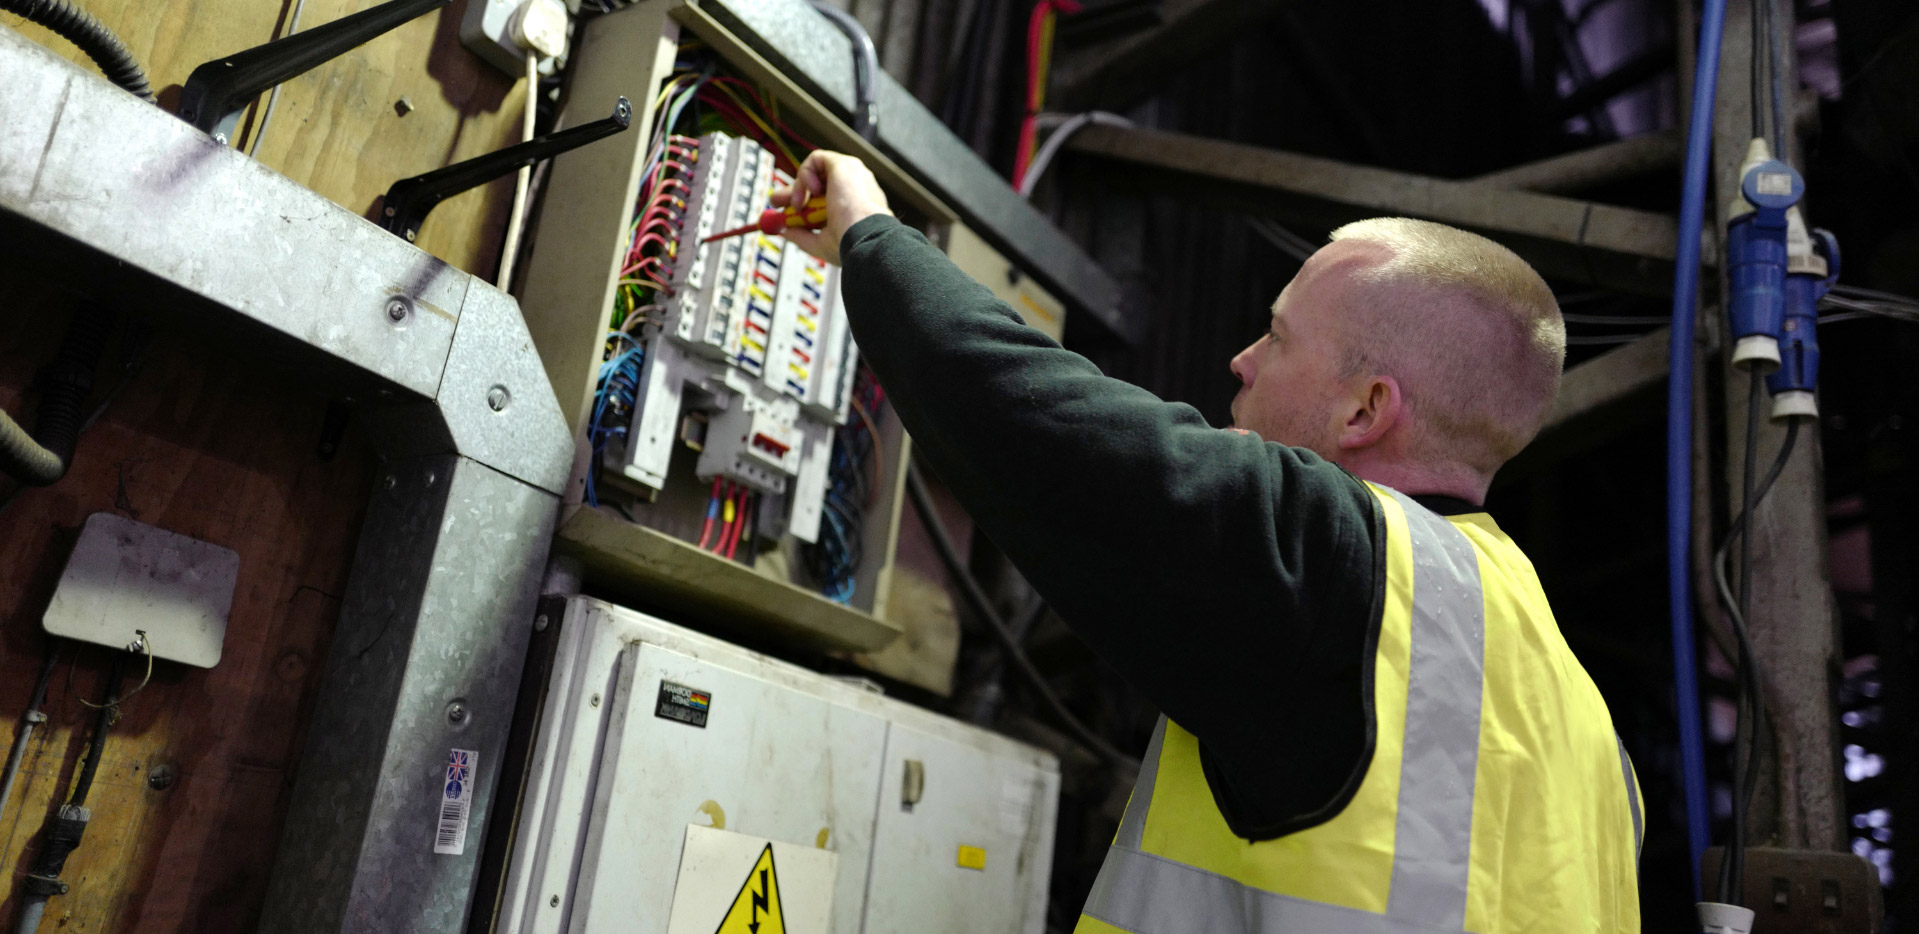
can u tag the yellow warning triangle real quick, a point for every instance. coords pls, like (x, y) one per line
(756, 910)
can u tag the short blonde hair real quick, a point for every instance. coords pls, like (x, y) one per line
(1481, 380)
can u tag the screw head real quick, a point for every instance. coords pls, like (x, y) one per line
(554, 901)
(390, 482)
(540, 623)
(162, 777)
(498, 398)
(220, 138)
(456, 712)
(396, 310)
(432, 477)
(595, 700)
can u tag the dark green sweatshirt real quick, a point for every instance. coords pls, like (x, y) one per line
(1235, 582)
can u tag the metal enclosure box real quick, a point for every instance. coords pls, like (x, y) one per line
(649, 728)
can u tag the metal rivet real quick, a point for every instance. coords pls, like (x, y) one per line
(554, 901)
(432, 478)
(539, 623)
(497, 398)
(456, 712)
(595, 701)
(396, 310)
(409, 236)
(390, 482)
(161, 777)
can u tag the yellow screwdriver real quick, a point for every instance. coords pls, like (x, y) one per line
(809, 216)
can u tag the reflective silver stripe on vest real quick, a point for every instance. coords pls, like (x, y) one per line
(1632, 797)
(1132, 827)
(1432, 847)
(1149, 894)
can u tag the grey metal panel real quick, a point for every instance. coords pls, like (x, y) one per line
(131, 182)
(791, 35)
(437, 613)
(493, 363)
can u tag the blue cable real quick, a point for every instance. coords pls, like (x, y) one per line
(1685, 292)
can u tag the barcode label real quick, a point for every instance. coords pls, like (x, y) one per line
(456, 802)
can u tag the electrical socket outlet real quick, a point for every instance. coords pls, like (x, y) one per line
(1805, 891)
(494, 30)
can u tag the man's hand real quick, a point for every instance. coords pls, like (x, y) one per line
(852, 195)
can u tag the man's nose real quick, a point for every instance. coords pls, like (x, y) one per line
(1242, 365)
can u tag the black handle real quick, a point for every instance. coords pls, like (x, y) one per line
(409, 201)
(217, 91)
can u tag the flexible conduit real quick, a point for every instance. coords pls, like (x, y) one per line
(1685, 297)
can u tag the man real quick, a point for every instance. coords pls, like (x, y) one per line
(1372, 722)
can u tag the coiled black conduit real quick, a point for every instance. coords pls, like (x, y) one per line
(41, 458)
(80, 28)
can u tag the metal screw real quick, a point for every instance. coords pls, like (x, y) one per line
(595, 701)
(396, 310)
(456, 712)
(403, 106)
(539, 623)
(390, 482)
(432, 478)
(220, 138)
(554, 901)
(497, 398)
(161, 777)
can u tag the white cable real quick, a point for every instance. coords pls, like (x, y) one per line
(522, 183)
(1055, 142)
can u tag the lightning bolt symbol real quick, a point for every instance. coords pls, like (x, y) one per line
(759, 904)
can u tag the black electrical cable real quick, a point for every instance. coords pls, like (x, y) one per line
(80, 28)
(866, 67)
(42, 457)
(109, 711)
(983, 605)
(1752, 696)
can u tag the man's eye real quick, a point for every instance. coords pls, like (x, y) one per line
(1272, 334)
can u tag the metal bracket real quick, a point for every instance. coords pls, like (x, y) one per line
(408, 202)
(217, 92)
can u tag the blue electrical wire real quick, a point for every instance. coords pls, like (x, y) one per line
(1679, 401)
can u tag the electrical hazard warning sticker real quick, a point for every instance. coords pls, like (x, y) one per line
(682, 703)
(758, 904)
(735, 883)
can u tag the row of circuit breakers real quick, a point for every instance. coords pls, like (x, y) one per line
(752, 336)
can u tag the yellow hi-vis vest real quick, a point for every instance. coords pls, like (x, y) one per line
(1499, 799)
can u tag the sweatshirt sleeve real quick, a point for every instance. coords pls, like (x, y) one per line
(1232, 580)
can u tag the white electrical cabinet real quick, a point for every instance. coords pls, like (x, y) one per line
(682, 785)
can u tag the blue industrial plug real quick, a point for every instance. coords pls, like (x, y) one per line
(1756, 257)
(1814, 269)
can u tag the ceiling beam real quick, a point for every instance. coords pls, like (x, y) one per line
(1574, 241)
(1600, 165)
(1118, 73)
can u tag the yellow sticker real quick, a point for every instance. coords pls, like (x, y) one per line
(972, 857)
(756, 909)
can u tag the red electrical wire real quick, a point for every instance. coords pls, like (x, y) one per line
(739, 528)
(1036, 54)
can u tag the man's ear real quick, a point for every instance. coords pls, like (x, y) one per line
(1377, 408)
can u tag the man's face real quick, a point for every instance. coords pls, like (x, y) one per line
(1291, 389)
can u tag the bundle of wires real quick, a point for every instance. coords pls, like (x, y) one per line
(613, 399)
(853, 479)
(730, 510)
